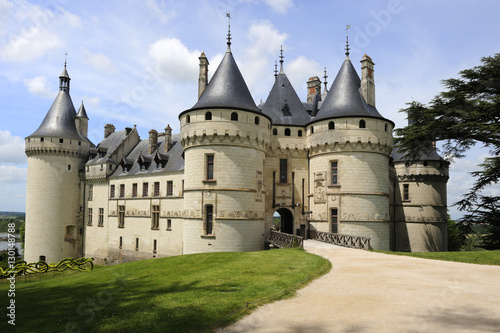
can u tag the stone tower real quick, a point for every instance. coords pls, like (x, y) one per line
(224, 136)
(56, 155)
(349, 146)
(419, 200)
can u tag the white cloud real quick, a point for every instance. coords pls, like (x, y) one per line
(100, 62)
(265, 42)
(11, 149)
(174, 61)
(29, 46)
(39, 86)
(161, 13)
(301, 69)
(10, 174)
(280, 6)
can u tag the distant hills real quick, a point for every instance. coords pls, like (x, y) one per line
(12, 214)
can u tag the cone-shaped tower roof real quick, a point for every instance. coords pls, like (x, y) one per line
(60, 120)
(82, 113)
(344, 98)
(283, 104)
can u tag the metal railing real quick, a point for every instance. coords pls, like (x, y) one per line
(281, 239)
(355, 242)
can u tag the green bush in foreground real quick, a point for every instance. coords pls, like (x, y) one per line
(177, 294)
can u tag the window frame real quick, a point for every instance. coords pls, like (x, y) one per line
(112, 191)
(121, 216)
(155, 217)
(406, 192)
(334, 220)
(156, 189)
(89, 217)
(145, 189)
(334, 172)
(101, 217)
(283, 168)
(210, 166)
(209, 220)
(134, 190)
(170, 188)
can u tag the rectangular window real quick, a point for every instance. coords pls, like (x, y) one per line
(157, 189)
(145, 189)
(335, 220)
(121, 216)
(122, 190)
(112, 191)
(154, 245)
(121, 242)
(169, 224)
(283, 171)
(101, 217)
(406, 192)
(134, 190)
(209, 219)
(170, 188)
(155, 218)
(210, 167)
(91, 192)
(334, 168)
(89, 219)
(182, 187)
(137, 244)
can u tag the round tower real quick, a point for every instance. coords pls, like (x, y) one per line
(54, 208)
(420, 202)
(349, 146)
(224, 136)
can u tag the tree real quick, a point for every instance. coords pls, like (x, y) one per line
(467, 113)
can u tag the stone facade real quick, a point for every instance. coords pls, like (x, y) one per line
(217, 184)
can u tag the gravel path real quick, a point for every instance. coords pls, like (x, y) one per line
(374, 292)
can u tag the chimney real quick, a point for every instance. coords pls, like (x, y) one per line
(168, 138)
(153, 141)
(313, 88)
(203, 78)
(367, 80)
(108, 129)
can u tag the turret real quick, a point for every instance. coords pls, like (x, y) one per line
(56, 152)
(82, 121)
(313, 88)
(367, 80)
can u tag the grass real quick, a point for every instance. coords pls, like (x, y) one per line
(472, 257)
(177, 294)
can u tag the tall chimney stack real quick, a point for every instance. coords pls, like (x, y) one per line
(168, 138)
(108, 129)
(203, 78)
(367, 80)
(153, 141)
(313, 87)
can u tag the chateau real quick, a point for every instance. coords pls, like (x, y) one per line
(326, 164)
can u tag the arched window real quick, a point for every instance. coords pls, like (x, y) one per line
(208, 116)
(234, 116)
(362, 124)
(287, 132)
(331, 125)
(275, 131)
(188, 119)
(257, 120)
(299, 133)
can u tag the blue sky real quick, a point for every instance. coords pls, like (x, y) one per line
(136, 62)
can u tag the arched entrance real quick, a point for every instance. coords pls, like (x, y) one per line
(286, 220)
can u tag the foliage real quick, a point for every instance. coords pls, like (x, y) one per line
(4, 260)
(4, 222)
(466, 114)
(472, 257)
(456, 240)
(176, 294)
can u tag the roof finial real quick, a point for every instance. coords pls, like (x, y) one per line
(65, 57)
(281, 58)
(347, 40)
(325, 83)
(228, 15)
(275, 68)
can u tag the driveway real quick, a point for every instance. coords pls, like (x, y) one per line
(374, 292)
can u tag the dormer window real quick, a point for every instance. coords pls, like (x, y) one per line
(61, 140)
(286, 110)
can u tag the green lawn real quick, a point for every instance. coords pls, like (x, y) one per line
(177, 294)
(473, 257)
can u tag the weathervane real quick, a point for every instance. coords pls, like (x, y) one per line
(228, 15)
(347, 40)
(326, 83)
(275, 68)
(65, 56)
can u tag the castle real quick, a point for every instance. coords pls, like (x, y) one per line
(326, 164)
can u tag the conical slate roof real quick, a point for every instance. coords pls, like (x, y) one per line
(82, 113)
(227, 89)
(344, 98)
(283, 104)
(60, 120)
